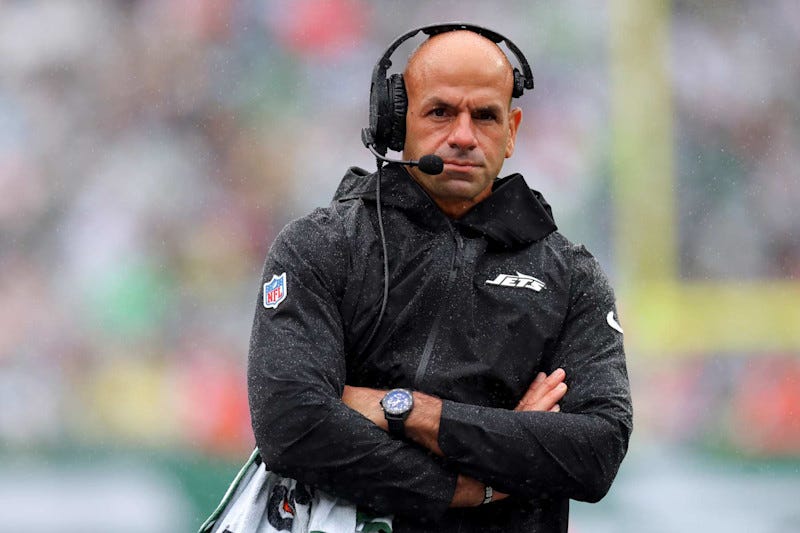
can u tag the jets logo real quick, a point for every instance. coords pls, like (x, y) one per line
(520, 281)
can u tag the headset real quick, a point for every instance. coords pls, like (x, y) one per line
(388, 101)
(388, 104)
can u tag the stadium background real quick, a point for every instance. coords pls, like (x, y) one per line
(150, 151)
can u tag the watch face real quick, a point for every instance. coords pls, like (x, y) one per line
(397, 401)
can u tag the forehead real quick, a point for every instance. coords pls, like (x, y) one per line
(462, 60)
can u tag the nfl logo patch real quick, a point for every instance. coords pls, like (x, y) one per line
(275, 291)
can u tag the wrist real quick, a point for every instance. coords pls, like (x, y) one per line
(422, 424)
(469, 492)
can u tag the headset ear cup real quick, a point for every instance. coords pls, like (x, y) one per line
(519, 84)
(398, 105)
(379, 119)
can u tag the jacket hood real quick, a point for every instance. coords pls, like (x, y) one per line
(513, 215)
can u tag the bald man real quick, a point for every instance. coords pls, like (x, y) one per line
(494, 388)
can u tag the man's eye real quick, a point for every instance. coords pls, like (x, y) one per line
(485, 115)
(438, 112)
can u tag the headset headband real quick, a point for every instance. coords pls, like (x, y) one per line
(435, 29)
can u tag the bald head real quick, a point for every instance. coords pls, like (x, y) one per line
(460, 52)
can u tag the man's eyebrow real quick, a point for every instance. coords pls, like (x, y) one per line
(491, 108)
(436, 101)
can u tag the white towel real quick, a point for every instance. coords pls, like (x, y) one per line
(261, 501)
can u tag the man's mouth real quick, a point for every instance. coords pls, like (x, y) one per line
(457, 164)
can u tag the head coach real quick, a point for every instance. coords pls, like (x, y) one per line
(429, 345)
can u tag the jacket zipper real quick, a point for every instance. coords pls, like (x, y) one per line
(434, 333)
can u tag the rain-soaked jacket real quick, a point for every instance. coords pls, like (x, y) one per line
(476, 308)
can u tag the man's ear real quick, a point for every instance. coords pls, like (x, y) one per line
(514, 119)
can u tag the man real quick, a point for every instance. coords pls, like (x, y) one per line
(490, 312)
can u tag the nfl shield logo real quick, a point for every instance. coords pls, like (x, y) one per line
(275, 291)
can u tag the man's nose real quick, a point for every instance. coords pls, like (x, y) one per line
(462, 134)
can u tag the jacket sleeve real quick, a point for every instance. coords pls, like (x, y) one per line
(296, 376)
(574, 453)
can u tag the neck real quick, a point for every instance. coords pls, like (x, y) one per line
(457, 208)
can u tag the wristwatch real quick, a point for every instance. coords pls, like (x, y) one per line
(397, 405)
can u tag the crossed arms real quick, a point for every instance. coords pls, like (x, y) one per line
(422, 425)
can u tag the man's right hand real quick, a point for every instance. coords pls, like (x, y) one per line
(542, 395)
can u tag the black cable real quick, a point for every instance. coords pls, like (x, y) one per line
(385, 255)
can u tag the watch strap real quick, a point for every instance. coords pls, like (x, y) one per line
(397, 427)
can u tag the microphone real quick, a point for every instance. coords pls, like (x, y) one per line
(430, 164)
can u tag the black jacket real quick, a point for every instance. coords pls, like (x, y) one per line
(446, 332)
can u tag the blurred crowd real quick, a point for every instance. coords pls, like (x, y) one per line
(736, 72)
(150, 150)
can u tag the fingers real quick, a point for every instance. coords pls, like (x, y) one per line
(549, 400)
(535, 390)
(544, 392)
(557, 376)
(542, 386)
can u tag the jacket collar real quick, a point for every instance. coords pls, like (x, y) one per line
(513, 215)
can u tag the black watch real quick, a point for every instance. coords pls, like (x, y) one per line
(397, 405)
